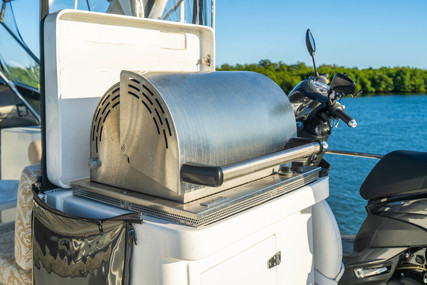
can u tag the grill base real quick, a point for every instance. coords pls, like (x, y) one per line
(204, 211)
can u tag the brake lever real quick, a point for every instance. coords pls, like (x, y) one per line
(357, 94)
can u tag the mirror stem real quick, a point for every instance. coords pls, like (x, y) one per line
(314, 65)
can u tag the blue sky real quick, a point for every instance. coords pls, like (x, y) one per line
(361, 33)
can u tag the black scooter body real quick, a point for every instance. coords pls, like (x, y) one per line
(390, 247)
(394, 234)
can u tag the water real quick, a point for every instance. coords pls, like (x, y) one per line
(385, 123)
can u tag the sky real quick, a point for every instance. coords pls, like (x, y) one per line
(350, 33)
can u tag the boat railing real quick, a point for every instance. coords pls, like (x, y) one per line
(355, 154)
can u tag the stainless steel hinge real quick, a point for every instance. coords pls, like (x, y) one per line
(275, 260)
(206, 60)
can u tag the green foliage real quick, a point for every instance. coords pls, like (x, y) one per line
(381, 80)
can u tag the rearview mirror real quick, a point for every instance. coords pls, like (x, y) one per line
(309, 41)
(311, 47)
(342, 84)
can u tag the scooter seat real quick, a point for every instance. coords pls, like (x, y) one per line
(397, 173)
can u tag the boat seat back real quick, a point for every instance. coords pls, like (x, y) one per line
(23, 221)
(11, 273)
(327, 245)
(397, 173)
(16, 255)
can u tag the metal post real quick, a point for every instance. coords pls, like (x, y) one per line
(213, 14)
(355, 154)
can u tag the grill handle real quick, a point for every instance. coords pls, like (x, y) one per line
(215, 176)
(202, 174)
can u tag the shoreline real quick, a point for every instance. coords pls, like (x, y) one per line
(384, 80)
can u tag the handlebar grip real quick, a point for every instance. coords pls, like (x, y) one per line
(339, 112)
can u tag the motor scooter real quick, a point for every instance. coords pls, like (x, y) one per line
(390, 247)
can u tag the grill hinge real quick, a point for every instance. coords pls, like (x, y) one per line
(206, 60)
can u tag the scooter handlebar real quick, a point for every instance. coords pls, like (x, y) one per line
(339, 112)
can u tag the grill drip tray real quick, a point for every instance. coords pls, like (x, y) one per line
(204, 211)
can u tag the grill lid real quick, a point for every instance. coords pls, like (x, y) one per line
(166, 120)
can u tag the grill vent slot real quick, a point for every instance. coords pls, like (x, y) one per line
(152, 103)
(110, 101)
(148, 99)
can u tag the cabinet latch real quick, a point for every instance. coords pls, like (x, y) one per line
(275, 260)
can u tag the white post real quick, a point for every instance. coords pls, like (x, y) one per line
(182, 12)
(139, 9)
(213, 14)
(76, 2)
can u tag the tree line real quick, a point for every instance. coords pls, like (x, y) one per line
(370, 80)
(29, 76)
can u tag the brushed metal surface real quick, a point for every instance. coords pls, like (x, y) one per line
(203, 211)
(168, 119)
(113, 167)
(215, 118)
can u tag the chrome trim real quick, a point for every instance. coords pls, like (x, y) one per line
(352, 123)
(240, 169)
(368, 272)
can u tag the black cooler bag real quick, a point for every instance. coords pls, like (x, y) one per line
(70, 250)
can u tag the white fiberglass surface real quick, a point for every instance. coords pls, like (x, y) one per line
(240, 244)
(84, 55)
(234, 249)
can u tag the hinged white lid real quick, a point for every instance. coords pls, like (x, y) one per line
(84, 54)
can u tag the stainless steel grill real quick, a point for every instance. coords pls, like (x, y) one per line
(193, 148)
(184, 136)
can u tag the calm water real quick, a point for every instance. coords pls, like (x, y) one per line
(385, 123)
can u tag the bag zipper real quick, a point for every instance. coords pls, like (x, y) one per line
(134, 218)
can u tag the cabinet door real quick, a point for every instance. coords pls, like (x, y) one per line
(250, 266)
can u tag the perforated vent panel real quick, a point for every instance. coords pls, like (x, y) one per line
(152, 105)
